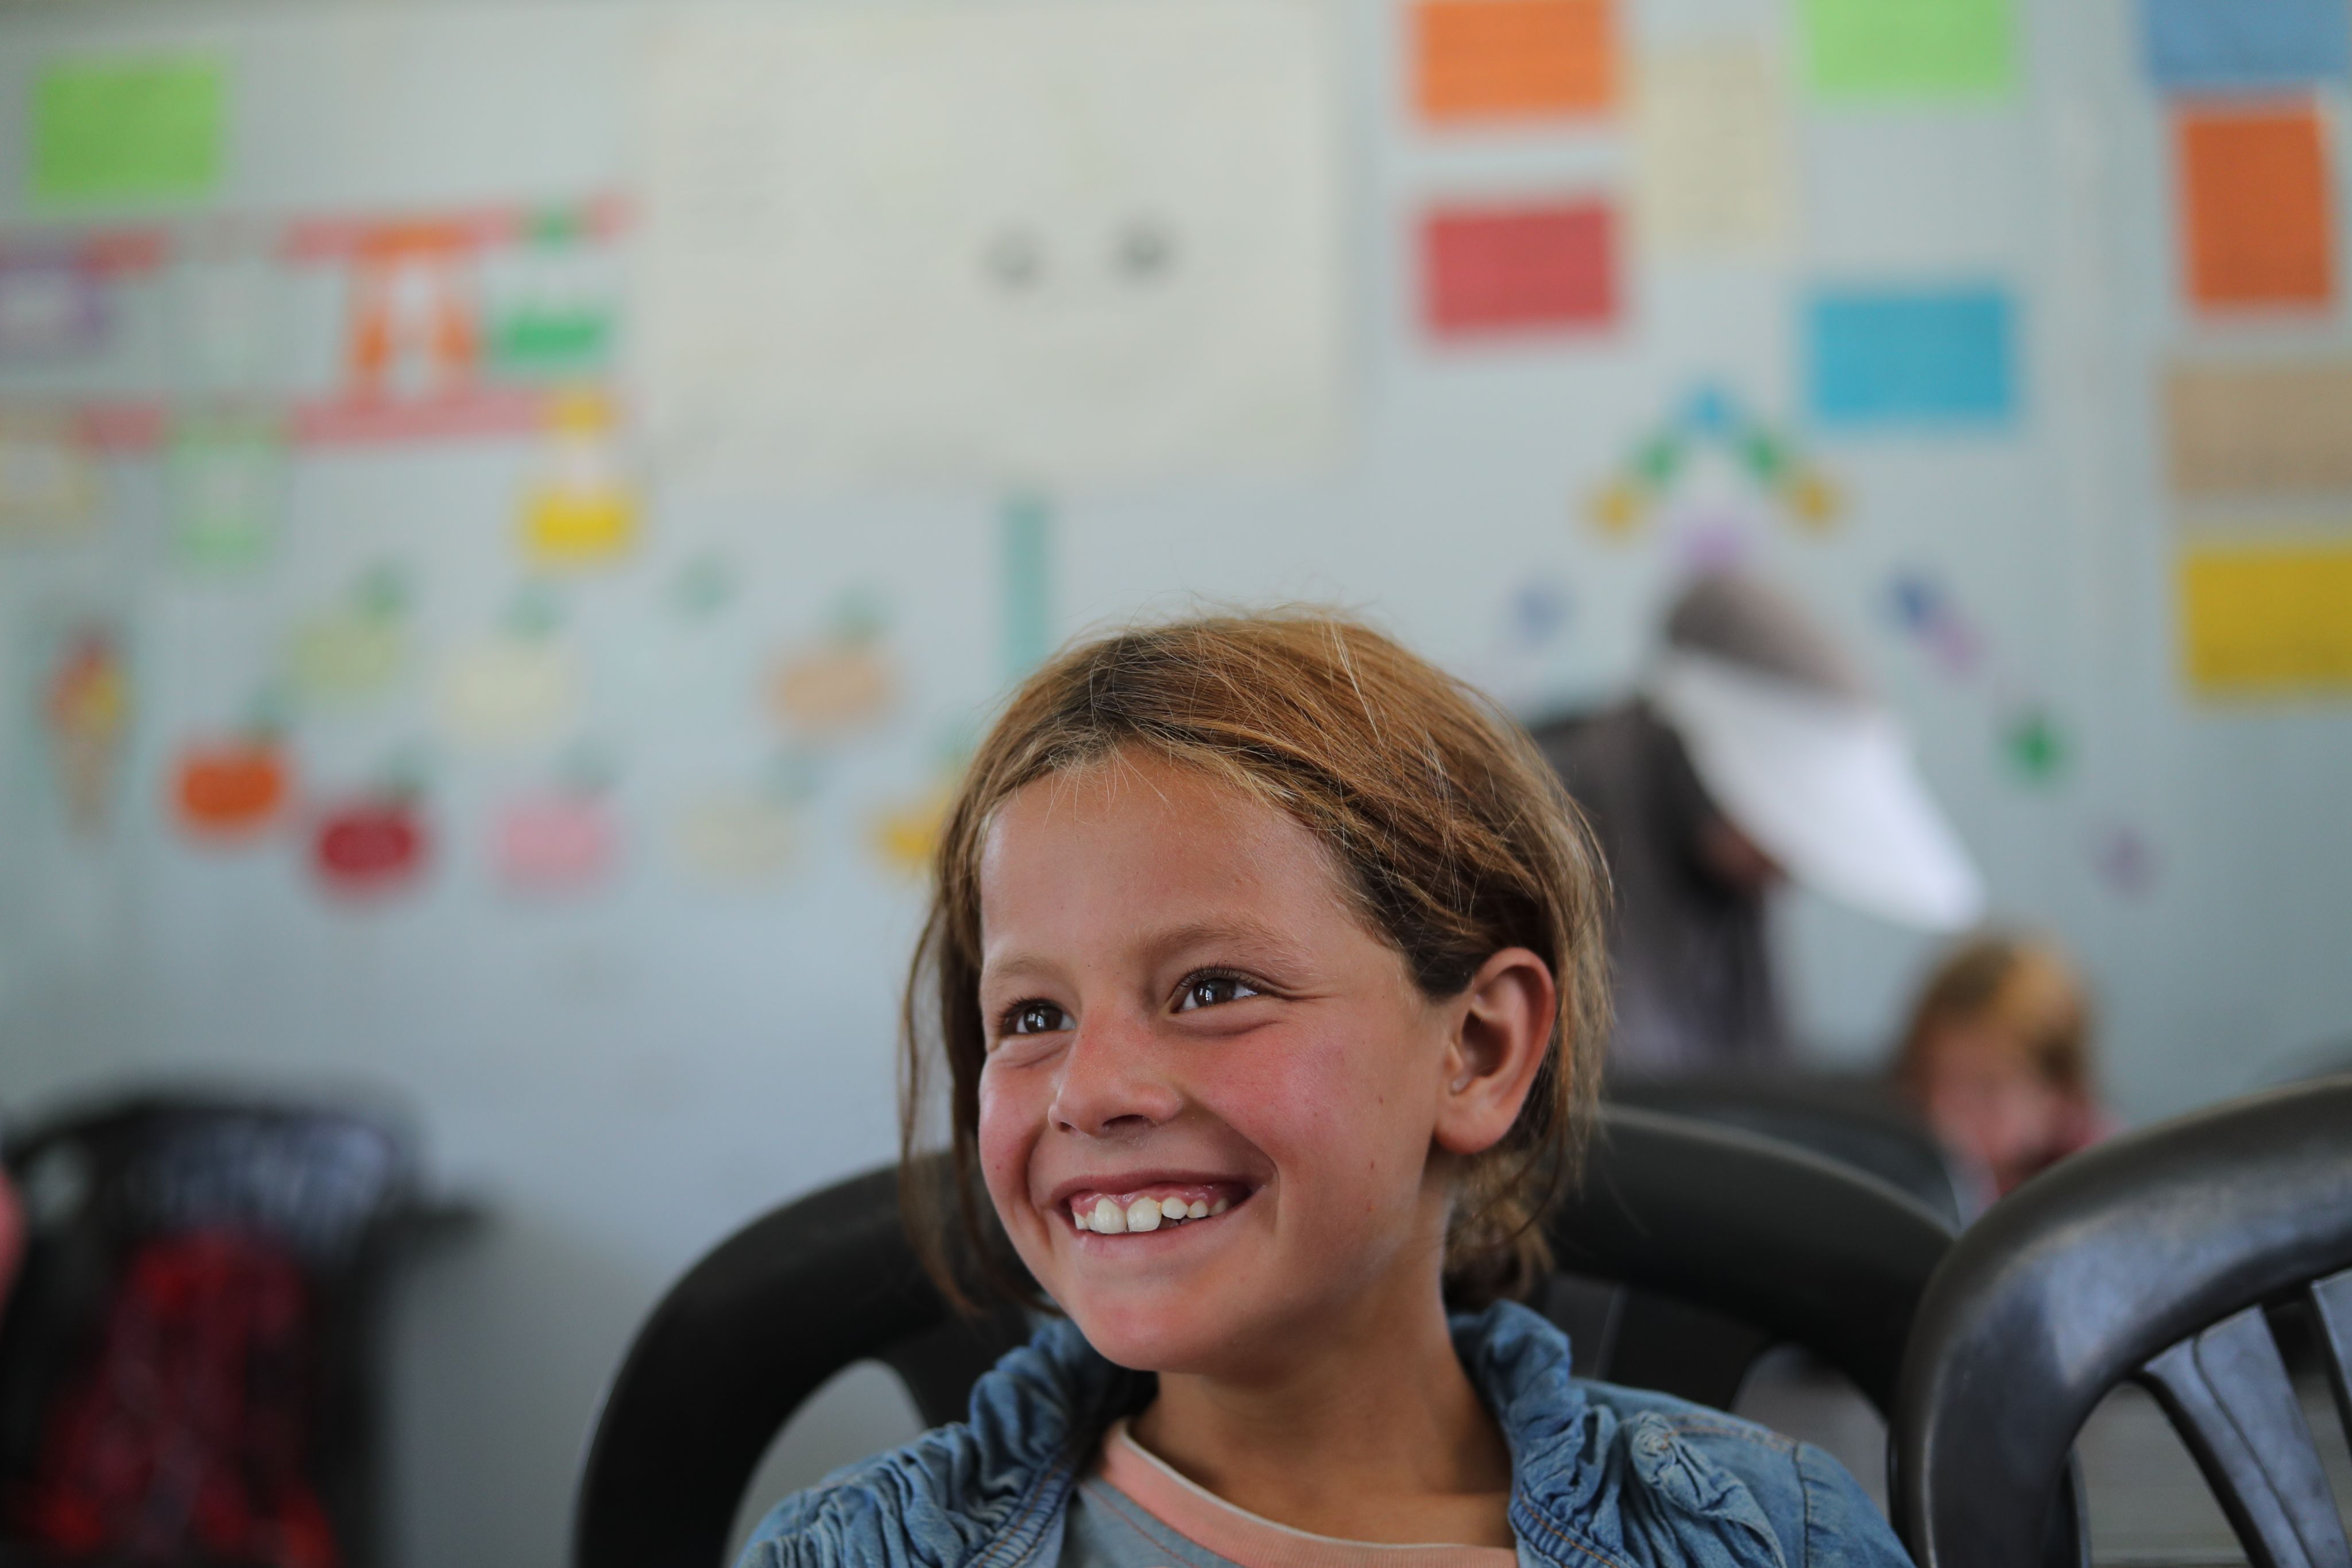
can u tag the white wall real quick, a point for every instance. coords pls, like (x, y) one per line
(626, 1076)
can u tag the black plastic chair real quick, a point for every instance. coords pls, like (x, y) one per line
(2155, 1258)
(1839, 1116)
(1795, 1247)
(326, 1188)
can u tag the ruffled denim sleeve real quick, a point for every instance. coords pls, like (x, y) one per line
(1617, 1478)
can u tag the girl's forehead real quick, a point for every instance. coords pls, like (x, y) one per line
(1127, 790)
(1158, 842)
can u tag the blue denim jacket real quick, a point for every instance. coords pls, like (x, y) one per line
(1602, 1477)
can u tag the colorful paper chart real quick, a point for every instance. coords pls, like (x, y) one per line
(2278, 427)
(1711, 419)
(2256, 212)
(111, 128)
(1712, 149)
(420, 360)
(1911, 357)
(1513, 60)
(2214, 45)
(1520, 267)
(2270, 619)
(1890, 50)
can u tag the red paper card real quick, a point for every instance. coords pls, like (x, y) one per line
(2255, 213)
(1525, 268)
(1511, 60)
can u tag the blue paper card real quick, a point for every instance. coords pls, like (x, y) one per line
(1909, 356)
(2196, 45)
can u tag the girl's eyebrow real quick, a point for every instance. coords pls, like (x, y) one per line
(1267, 942)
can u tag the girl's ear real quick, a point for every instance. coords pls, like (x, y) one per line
(1502, 1028)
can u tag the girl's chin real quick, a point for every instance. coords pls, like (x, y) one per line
(1155, 1337)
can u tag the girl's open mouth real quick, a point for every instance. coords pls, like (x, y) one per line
(1152, 1208)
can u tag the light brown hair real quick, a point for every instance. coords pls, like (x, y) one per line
(1452, 839)
(2021, 984)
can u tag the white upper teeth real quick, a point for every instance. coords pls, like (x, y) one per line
(1107, 1216)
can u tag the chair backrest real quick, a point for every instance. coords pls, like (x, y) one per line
(2152, 1258)
(1801, 1248)
(308, 1193)
(1843, 1116)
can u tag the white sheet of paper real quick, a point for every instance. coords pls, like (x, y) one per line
(1031, 242)
(1713, 158)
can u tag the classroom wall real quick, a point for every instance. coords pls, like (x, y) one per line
(610, 662)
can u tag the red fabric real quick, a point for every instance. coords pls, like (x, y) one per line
(185, 1437)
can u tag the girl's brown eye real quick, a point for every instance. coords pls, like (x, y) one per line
(1035, 1018)
(1209, 990)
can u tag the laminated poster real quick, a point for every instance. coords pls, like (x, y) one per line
(2260, 428)
(1901, 357)
(1712, 151)
(1515, 269)
(932, 244)
(1483, 60)
(2256, 215)
(1892, 50)
(2208, 46)
(2267, 619)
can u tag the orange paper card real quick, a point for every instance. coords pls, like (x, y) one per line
(1514, 59)
(2256, 218)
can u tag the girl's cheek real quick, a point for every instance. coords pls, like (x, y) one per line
(1006, 1132)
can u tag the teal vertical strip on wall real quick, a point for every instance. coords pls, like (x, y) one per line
(1027, 564)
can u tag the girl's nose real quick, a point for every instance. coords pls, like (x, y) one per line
(1110, 1085)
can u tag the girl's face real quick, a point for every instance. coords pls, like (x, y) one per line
(1984, 1098)
(1209, 1104)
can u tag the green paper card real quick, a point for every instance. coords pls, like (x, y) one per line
(1909, 48)
(128, 128)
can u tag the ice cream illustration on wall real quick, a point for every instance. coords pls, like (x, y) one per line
(88, 711)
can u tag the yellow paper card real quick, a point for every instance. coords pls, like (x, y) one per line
(2267, 619)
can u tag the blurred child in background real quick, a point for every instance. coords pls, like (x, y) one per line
(1998, 1060)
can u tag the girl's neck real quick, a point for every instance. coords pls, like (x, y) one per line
(1370, 1433)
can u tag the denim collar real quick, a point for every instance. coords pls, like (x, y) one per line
(1050, 1402)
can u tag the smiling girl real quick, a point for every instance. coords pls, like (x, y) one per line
(1263, 961)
